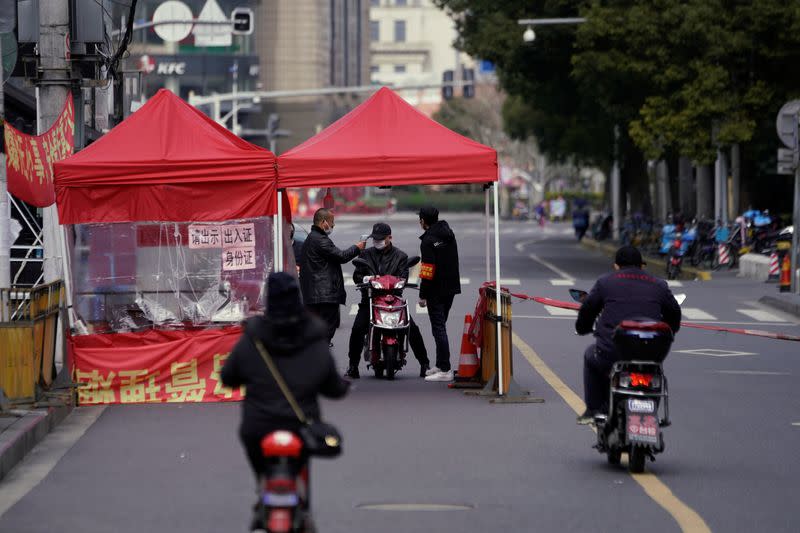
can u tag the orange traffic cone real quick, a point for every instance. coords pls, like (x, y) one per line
(785, 282)
(468, 364)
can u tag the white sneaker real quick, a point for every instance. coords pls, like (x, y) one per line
(432, 371)
(441, 376)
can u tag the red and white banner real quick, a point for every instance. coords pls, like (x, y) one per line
(30, 158)
(154, 366)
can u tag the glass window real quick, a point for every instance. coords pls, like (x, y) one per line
(400, 69)
(399, 31)
(375, 69)
(374, 31)
(374, 2)
(401, 2)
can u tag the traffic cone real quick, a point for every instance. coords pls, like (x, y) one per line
(468, 364)
(785, 283)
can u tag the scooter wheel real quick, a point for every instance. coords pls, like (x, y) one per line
(636, 459)
(390, 360)
(614, 456)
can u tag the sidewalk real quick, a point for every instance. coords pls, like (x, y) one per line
(22, 429)
(785, 301)
(609, 248)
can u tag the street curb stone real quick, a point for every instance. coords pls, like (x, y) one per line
(21, 436)
(687, 272)
(787, 303)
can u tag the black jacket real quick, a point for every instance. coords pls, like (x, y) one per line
(304, 361)
(321, 280)
(626, 294)
(387, 262)
(439, 274)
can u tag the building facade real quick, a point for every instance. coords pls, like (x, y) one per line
(411, 43)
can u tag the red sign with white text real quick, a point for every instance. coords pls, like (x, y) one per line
(30, 158)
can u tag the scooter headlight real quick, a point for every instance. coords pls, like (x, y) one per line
(400, 284)
(390, 318)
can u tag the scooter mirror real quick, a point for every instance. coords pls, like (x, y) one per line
(680, 298)
(361, 263)
(578, 295)
(411, 261)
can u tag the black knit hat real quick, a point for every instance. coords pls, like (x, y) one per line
(429, 215)
(283, 298)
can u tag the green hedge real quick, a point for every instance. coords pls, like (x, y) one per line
(444, 201)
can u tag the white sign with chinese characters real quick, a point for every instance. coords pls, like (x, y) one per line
(239, 258)
(238, 235)
(204, 236)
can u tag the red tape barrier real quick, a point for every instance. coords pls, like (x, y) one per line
(753, 332)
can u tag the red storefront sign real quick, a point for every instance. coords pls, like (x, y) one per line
(30, 158)
(154, 366)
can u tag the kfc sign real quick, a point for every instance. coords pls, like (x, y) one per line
(171, 68)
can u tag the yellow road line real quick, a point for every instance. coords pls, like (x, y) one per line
(686, 517)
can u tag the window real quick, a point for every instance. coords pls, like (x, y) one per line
(374, 69)
(374, 2)
(374, 31)
(399, 69)
(399, 31)
(400, 2)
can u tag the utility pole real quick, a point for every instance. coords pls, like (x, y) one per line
(616, 190)
(5, 208)
(54, 89)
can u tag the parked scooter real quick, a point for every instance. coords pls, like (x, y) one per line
(386, 344)
(638, 402)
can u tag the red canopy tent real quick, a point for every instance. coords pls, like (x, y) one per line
(385, 141)
(166, 162)
(170, 164)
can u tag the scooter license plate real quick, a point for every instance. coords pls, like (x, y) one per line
(642, 421)
(280, 500)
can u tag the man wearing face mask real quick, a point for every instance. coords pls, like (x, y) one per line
(321, 279)
(385, 259)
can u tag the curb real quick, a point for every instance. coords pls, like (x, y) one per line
(687, 272)
(21, 436)
(782, 304)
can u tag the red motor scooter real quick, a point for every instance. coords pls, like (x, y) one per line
(283, 493)
(386, 343)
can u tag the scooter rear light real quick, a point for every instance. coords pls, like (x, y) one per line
(281, 485)
(279, 521)
(639, 380)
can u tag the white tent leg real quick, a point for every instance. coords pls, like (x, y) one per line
(279, 235)
(488, 238)
(500, 385)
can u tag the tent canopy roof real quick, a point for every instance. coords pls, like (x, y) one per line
(166, 162)
(385, 141)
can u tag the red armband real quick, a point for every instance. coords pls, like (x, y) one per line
(427, 270)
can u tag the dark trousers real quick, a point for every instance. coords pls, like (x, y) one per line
(439, 312)
(361, 327)
(329, 313)
(596, 381)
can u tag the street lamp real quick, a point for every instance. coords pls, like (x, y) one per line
(529, 36)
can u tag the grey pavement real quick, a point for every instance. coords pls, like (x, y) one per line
(731, 453)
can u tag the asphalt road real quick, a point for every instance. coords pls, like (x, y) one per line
(731, 462)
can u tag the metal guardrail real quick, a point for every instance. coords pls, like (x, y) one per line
(28, 328)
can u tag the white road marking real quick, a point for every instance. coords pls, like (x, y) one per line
(752, 373)
(674, 283)
(422, 310)
(45, 455)
(713, 352)
(559, 311)
(551, 266)
(797, 424)
(562, 282)
(465, 281)
(348, 282)
(510, 281)
(693, 313)
(353, 309)
(760, 315)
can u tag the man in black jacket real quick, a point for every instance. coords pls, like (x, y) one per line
(440, 281)
(298, 343)
(384, 259)
(627, 293)
(321, 276)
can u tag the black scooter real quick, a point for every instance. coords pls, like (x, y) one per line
(638, 401)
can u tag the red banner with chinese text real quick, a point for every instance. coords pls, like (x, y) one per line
(153, 366)
(30, 158)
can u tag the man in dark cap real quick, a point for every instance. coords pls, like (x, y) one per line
(628, 292)
(440, 281)
(383, 259)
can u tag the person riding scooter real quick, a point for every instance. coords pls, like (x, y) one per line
(627, 293)
(383, 259)
(298, 343)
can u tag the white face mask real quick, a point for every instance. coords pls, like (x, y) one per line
(379, 245)
(330, 229)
